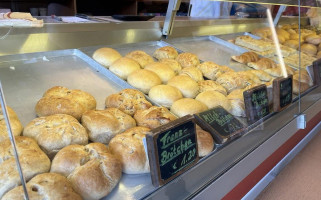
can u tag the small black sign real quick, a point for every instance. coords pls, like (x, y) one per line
(282, 93)
(172, 149)
(256, 103)
(220, 123)
(317, 72)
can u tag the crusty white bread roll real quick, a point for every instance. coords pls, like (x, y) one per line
(173, 64)
(213, 99)
(237, 103)
(207, 85)
(192, 72)
(103, 125)
(164, 71)
(45, 186)
(164, 95)
(186, 85)
(211, 70)
(129, 149)
(141, 57)
(15, 123)
(123, 67)
(165, 52)
(144, 80)
(188, 60)
(91, 169)
(33, 161)
(205, 142)
(106, 56)
(187, 106)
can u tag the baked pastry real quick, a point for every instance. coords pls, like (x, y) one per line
(106, 56)
(263, 63)
(251, 76)
(264, 32)
(286, 51)
(45, 186)
(188, 60)
(141, 57)
(293, 60)
(305, 78)
(225, 69)
(319, 55)
(277, 72)
(246, 57)
(15, 123)
(213, 99)
(153, 117)
(205, 142)
(208, 85)
(92, 171)
(165, 52)
(173, 64)
(292, 43)
(313, 39)
(54, 132)
(186, 85)
(164, 95)
(282, 32)
(232, 80)
(128, 101)
(237, 103)
(319, 47)
(295, 36)
(129, 149)
(211, 70)
(253, 44)
(144, 80)
(61, 100)
(103, 125)
(123, 67)
(33, 161)
(261, 74)
(187, 106)
(268, 53)
(164, 71)
(309, 49)
(192, 72)
(299, 87)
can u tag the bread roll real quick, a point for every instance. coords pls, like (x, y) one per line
(210, 70)
(103, 125)
(205, 142)
(313, 39)
(187, 106)
(92, 171)
(164, 95)
(54, 132)
(262, 75)
(292, 43)
(186, 85)
(299, 87)
(173, 64)
(141, 57)
(16, 126)
(305, 78)
(188, 60)
(213, 99)
(45, 186)
(164, 71)
(295, 36)
(309, 49)
(237, 103)
(165, 52)
(192, 72)
(129, 149)
(33, 161)
(106, 56)
(128, 101)
(232, 80)
(123, 67)
(281, 38)
(251, 76)
(277, 72)
(263, 63)
(61, 100)
(284, 33)
(319, 55)
(153, 117)
(207, 85)
(144, 80)
(319, 47)
(246, 57)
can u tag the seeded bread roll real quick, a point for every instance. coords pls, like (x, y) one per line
(210, 70)
(165, 95)
(129, 149)
(54, 132)
(45, 186)
(164, 71)
(205, 142)
(123, 67)
(15, 123)
(207, 85)
(187, 106)
(188, 60)
(165, 52)
(232, 80)
(212, 99)
(144, 80)
(173, 64)
(106, 56)
(141, 57)
(186, 85)
(192, 72)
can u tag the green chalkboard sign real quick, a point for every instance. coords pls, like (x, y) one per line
(221, 124)
(282, 93)
(172, 149)
(256, 103)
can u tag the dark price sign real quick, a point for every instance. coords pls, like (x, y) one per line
(172, 149)
(317, 72)
(220, 123)
(282, 93)
(256, 103)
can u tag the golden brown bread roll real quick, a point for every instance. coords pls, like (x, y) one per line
(173, 64)
(292, 43)
(264, 32)
(281, 38)
(232, 80)
(188, 60)
(309, 49)
(277, 72)
(16, 126)
(295, 36)
(319, 55)
(45, 186)
(187, 106)
(213, 99)
(299, 87)
(251, 76)
(305, 78)
(141, 57)
(106, 56)
(263, 76)
(164, 71)
(207, 85)
(263, 63)
(313, 39)
(144, 80)
(186, 85)
(319, 47)
(192, 72)
(165, 52)
(212, 70)
(237, 103)
(123, 67)
(165, 95)
(283, 32)
(246, 57)
(205, 142)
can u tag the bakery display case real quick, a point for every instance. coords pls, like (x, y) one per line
(235, 57)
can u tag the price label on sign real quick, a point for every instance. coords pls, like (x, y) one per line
(282, 93)
(172, 149)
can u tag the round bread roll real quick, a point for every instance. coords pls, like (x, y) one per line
(164, 95)
(54, 132)
(153, 117)
(45, 186)
(128, 101)
(33, 161)
(187, 106)
(173, 64)
(295, 36)
(188, 60)
(210, 70)
(185, 84)
(313, 39)
(212, 99)
(237, 103)
(16, 126)
(165, 52)
(294, 44)
(129, 149)
(123, 67)
(232, 80)
(299, 87)
(103, 125)
(61, 100)
(305, 78)
(207, 85)
(106, 56)
(141, 57)
(144, 80)
(164, 71)
(92, 171)
(205, 142)
(309, 49)
(284, 33)
(281, 39)
(192, 72)
(251, 76)
(319, 55)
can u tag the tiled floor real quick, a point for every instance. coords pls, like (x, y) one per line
(301, 178)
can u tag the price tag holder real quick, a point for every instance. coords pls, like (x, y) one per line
(282, 93)
(317, 72)
(221, 124)
(256, 103)
(172, 149)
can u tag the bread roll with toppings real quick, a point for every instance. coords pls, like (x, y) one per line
(173, 64)
(192, 72)
(207, 85)
(188, 60)
(16, 126)
(141, 57)
(165, 52)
